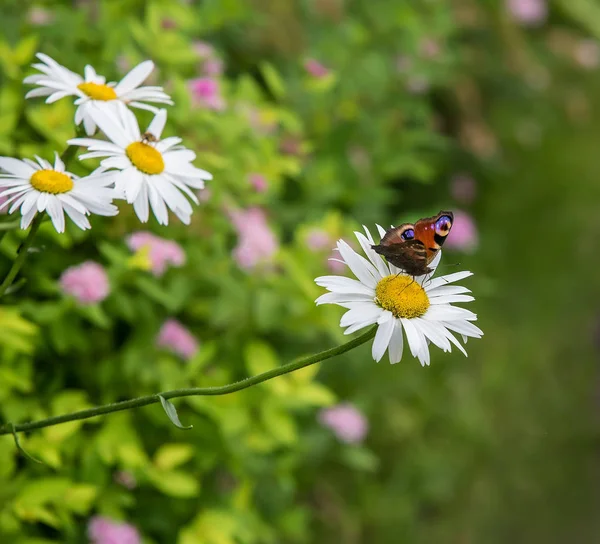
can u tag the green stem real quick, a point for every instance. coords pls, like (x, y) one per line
(21, 254)
(10, 428)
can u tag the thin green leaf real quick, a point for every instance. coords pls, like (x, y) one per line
(172, 413)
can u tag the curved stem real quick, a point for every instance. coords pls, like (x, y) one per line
(9, 428)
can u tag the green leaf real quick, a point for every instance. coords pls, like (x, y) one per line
(170, 456)
(171, 412)
(174, 483)
(260, 357)
(273, 80)
(360, 458)
(79, 498)
(43, 491)
(279, 423)
(152, 289)
(314, 394)
(25, 49)
(20, 448)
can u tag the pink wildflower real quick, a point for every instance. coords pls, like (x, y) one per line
(103, 530)
(125, 478)
(256, 241)
(429, 48)
(213, 67)
(206, 93)
(87, 282)
(258, 182)
(403, 63)
(463, 236)
(168, 24)
(39, 16)
(203, 49)
(528, 12)
(587, 54)
(346, 421)
(417, 85)
(318, 239)
(204, 195)
(178, 339)
(162, 252)
(315, 68)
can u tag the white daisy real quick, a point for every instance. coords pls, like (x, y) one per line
(144, 168)
(56, 82)
(38, 187)
(421, 306)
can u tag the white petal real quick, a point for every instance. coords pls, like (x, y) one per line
(448, 299)
(158, 205)
(453, 340)
(59, 165)
(136, 76)
(450, 278)
(337, 298)
(42, 201)
(433, 331)
(360, 267)
(362, 312)
(16, 167)
(27, 218)
(55, 211)
(382, 337)
(78, 218)
(375, 258)
(112, 127)
(129, 121)
(40, 91)
(396, 343)
(416, 341)
(29, 202)
(341, 284)
(89, 125)
(158, 123)
(445, 312)
(132, 181)
(465, 328)
(167, 143)
(444, 290)
(140, 205)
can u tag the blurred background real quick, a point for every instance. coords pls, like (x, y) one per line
(315, 117)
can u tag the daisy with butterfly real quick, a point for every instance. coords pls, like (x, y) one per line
(400, 295)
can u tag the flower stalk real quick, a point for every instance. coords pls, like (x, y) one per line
(21, 254)
(12, 428)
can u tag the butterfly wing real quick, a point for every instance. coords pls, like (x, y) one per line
(433, 231)
(409, 255)
(412, 247)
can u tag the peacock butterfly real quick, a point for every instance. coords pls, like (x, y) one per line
(412, 247)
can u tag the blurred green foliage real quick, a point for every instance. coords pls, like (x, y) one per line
(498, 447)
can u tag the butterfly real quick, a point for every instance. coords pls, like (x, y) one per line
(412, 247)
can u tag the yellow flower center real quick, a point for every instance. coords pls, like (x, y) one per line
(98, 91)
(402, 295)
(51, 181)
(145, 158)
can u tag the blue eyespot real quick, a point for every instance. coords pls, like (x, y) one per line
(443, 224)
(408, 234)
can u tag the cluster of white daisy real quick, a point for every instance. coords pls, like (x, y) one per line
(140, 168)
(419, 308)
